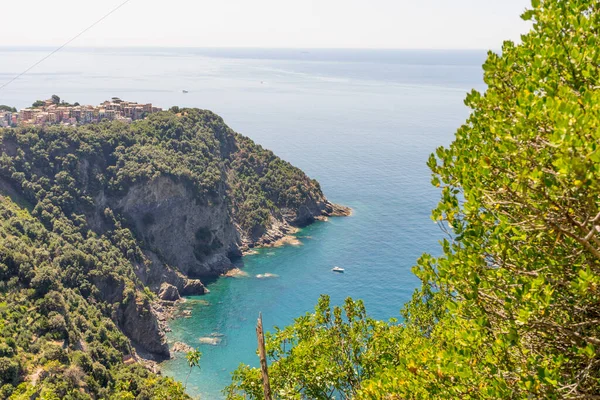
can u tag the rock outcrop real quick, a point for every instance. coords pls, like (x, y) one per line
(168, 292)
(193, 287)
(336, 210)
(139, 323)
(180, 347)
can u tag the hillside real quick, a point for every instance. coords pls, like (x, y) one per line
(98, 220)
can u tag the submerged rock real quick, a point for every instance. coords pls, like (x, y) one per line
(200, 302)
(267, 275)
(235, 273)
(213, 341)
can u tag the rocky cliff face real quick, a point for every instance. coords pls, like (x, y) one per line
(194, 237)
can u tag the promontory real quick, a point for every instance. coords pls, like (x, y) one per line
(99, 220)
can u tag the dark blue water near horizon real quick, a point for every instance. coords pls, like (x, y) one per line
(362, 123)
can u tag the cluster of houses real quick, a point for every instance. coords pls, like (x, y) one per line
(52, 112)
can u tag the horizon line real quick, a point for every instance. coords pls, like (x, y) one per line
(247, 48)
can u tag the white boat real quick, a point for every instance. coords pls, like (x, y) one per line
(338, 269)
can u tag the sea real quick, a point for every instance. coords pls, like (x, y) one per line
(361, 122)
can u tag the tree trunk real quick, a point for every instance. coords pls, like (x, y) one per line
(262, 354)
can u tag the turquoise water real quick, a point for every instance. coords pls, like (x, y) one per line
(363, 123)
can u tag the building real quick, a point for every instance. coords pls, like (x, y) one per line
(138, 113)
(76, 113)
(52, 117)
(127, 111)
(5, 119)
(26, 114)
(87, 116)
(40, 118)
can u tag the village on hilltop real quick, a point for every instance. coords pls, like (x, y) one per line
(53, 111)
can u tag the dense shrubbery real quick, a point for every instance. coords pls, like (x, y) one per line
(56, 333)
(512, 308)
(63, 282)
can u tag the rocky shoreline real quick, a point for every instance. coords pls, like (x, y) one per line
(337, 210)
(169, 303)
(283, 232)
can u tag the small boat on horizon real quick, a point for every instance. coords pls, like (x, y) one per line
(184, 91)
(338, 269)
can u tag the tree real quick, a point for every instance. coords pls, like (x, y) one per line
(9, 370)
(38, 103)
(325, 353)
(512, 307)
(193, 359)
(55, 99)
(7, 108)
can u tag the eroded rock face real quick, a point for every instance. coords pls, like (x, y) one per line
(156, 273)
(196, 238)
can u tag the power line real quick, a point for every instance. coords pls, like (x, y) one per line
(64, 45)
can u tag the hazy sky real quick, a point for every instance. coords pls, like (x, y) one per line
(424, 24)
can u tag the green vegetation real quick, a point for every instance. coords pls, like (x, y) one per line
(67, 263)
(512, 307)
(193, 359)
(55, 100)
(57, 337)
(7, 108)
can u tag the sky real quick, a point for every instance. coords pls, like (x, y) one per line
(397, 24)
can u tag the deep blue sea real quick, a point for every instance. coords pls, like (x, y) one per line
(362, 122)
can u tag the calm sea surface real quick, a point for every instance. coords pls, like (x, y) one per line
(361, 122)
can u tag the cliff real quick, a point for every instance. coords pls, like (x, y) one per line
(158, 204)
